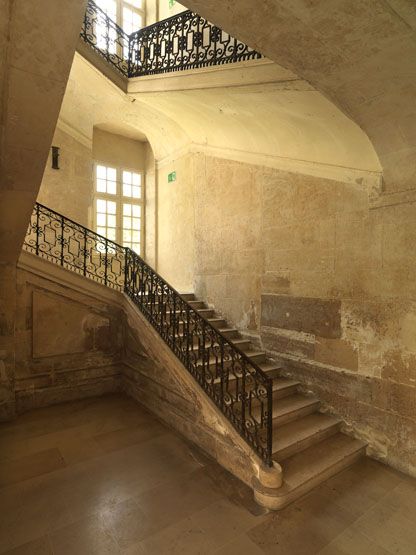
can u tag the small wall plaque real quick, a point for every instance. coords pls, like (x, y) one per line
(172, 177)
(171, 3)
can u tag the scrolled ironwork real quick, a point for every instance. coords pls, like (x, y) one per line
(106, 37)
(239, 388)
(73, 246)
(183, 41)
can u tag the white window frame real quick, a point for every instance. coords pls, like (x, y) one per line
(120, 199)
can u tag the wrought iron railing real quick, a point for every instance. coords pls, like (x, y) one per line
(238, 386)
(183, 41)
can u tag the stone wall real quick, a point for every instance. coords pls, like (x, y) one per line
(68, 343)
(320, 274)
(69, 190)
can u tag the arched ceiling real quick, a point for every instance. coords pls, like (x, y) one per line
(286, 118)
(361, 54)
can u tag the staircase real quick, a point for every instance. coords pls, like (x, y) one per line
(308, 444)
(281, 423)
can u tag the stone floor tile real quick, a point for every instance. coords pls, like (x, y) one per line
(128, 523)
(39, 546)
(242, 545)
(12, 471)
(168, 503)
(118, 439)
(389, 528)
(318, 518)
(352, 542)
(86, 537)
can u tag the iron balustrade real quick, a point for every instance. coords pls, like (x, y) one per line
(106, 37)
(183, 41)
(237, 386)
(73, 246)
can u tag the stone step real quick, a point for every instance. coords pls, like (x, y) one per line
(298, 435)
(293, 407)
(188, 296)
(305, 470)
(230, 333)
(284, 387)
(197, 304)
(206, 312)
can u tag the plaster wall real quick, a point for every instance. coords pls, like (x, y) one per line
(319, 274)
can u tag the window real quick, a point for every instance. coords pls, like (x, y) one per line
(118, 205)
(106, 37)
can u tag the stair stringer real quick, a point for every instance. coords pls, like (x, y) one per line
(177, 399)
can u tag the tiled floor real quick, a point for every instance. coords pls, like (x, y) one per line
(102, 476)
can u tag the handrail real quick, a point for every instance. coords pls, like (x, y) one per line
(182, 41)
(235, 383)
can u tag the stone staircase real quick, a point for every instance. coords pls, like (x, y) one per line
(308, 444)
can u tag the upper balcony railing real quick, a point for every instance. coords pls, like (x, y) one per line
(183, 41)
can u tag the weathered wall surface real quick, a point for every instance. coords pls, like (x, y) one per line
(69, 190)
(68, 343)
(323, 276)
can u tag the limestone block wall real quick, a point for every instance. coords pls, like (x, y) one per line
(321, 275)
(68, 343)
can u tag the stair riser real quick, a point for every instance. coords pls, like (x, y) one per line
(282, 393)
(305, 443)
(243, 346)
(294, 415)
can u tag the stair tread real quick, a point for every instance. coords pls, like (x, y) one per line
(291, 404)
(316, 459)
(297, 431)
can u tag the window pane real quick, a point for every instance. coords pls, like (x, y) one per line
(136, 236)
(136, 223)
(136, 192)
(111, 188)
(101, 185)
(126, 235)
(136, 211)
(101, 230)
(111, 234)
(111, 207)
(111, 174)
(136, 247)
(127, 177)
(137, 179)
(111, 221)
(101, 206)
(101, 219)
(101, 172)
(127, 190)
(127, 209)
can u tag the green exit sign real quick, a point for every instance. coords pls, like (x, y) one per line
(172, 177)
(172, 3)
